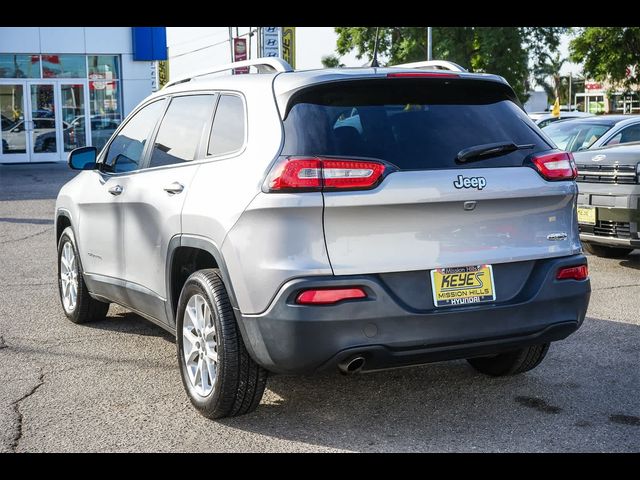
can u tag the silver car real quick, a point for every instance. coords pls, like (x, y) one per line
(588, 133)
(248, 216)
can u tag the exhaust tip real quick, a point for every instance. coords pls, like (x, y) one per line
(351, 365)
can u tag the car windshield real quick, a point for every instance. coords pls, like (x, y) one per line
(574, 136)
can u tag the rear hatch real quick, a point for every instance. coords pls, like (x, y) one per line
(431, 210)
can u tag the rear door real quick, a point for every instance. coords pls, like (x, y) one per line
(432, 211)
(154, 198)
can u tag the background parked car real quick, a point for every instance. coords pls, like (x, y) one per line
(608, 213)
(14, 138)
(594, 132)
(548, 118)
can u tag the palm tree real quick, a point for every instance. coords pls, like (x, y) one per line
(549, 67)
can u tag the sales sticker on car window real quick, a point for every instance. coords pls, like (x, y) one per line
(462, 285)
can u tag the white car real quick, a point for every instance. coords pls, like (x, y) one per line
(542, 119)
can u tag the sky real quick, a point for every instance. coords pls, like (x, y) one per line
(312, 44)
(197, 48)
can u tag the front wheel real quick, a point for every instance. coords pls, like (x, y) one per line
(219, 376)
(511, 363)
(607, 252)
(77, 304)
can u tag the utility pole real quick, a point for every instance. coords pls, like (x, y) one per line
(250, 35)
(570, 100)
(231, 43)
(429, 45)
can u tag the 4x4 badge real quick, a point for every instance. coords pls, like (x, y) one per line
(470, 182)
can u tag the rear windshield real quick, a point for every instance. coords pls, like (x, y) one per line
(414, 124)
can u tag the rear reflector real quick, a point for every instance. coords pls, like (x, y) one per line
(313, 174)
(422, 75)
(556, 166)
(329, 296)
(579, 272)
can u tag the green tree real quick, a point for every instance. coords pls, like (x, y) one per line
(505, 51)
(331, 61)
(605, 53)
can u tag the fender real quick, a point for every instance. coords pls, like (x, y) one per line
(203, 243)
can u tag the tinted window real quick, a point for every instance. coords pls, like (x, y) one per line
(573, 136)
(416, 125)
(629, 134)
(125, 152)
(181, 129)
(227, 134)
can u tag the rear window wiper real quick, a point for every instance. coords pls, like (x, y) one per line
(480, 152)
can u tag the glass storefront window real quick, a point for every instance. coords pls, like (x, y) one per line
(106, 111)
(64, 66)
(103, 67)
(19, 66)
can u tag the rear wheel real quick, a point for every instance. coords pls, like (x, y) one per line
(219, 376)
(607, 252)
(77, 304)
(511, 363)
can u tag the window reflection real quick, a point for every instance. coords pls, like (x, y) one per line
(64, 66)
(19, 66)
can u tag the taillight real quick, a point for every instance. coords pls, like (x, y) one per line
(422, 75)
(556, 166)
(314, 174)
(328, 296)
(578, 272)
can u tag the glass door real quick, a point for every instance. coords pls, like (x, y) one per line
(43, 123)
(75, 120)
(14, 123)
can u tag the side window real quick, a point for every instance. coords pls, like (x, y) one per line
(630, 134)
(125, 151)
(227, 133)
(181, 129)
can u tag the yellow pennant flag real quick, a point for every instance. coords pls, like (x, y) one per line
(556, 108)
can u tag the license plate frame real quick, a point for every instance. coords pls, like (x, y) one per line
(458, 295)
(587, 215)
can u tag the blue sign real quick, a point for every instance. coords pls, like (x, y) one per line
(149, 43)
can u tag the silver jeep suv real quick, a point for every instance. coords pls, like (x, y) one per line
(352, 219)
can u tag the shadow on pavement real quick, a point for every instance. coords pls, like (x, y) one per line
(448, 406)
(632, 261)
(33, 181)
(129, 322)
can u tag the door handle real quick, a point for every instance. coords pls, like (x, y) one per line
(117, 190)
(174, 188)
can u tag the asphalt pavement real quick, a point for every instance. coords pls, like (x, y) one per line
(114, 385)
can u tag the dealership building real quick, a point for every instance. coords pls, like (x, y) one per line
(67, 87)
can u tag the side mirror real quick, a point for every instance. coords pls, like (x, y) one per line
(83, 158)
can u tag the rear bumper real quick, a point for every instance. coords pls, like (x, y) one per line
(390, 331)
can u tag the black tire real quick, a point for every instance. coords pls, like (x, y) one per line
(607, 252)
(239, 381)
(86, 309)
(511, 363)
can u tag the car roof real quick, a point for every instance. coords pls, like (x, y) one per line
(610, 120)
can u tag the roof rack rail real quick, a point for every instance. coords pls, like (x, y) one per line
(264, 65)
(438, 64)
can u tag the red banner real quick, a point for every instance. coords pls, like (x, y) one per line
(239, 54)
